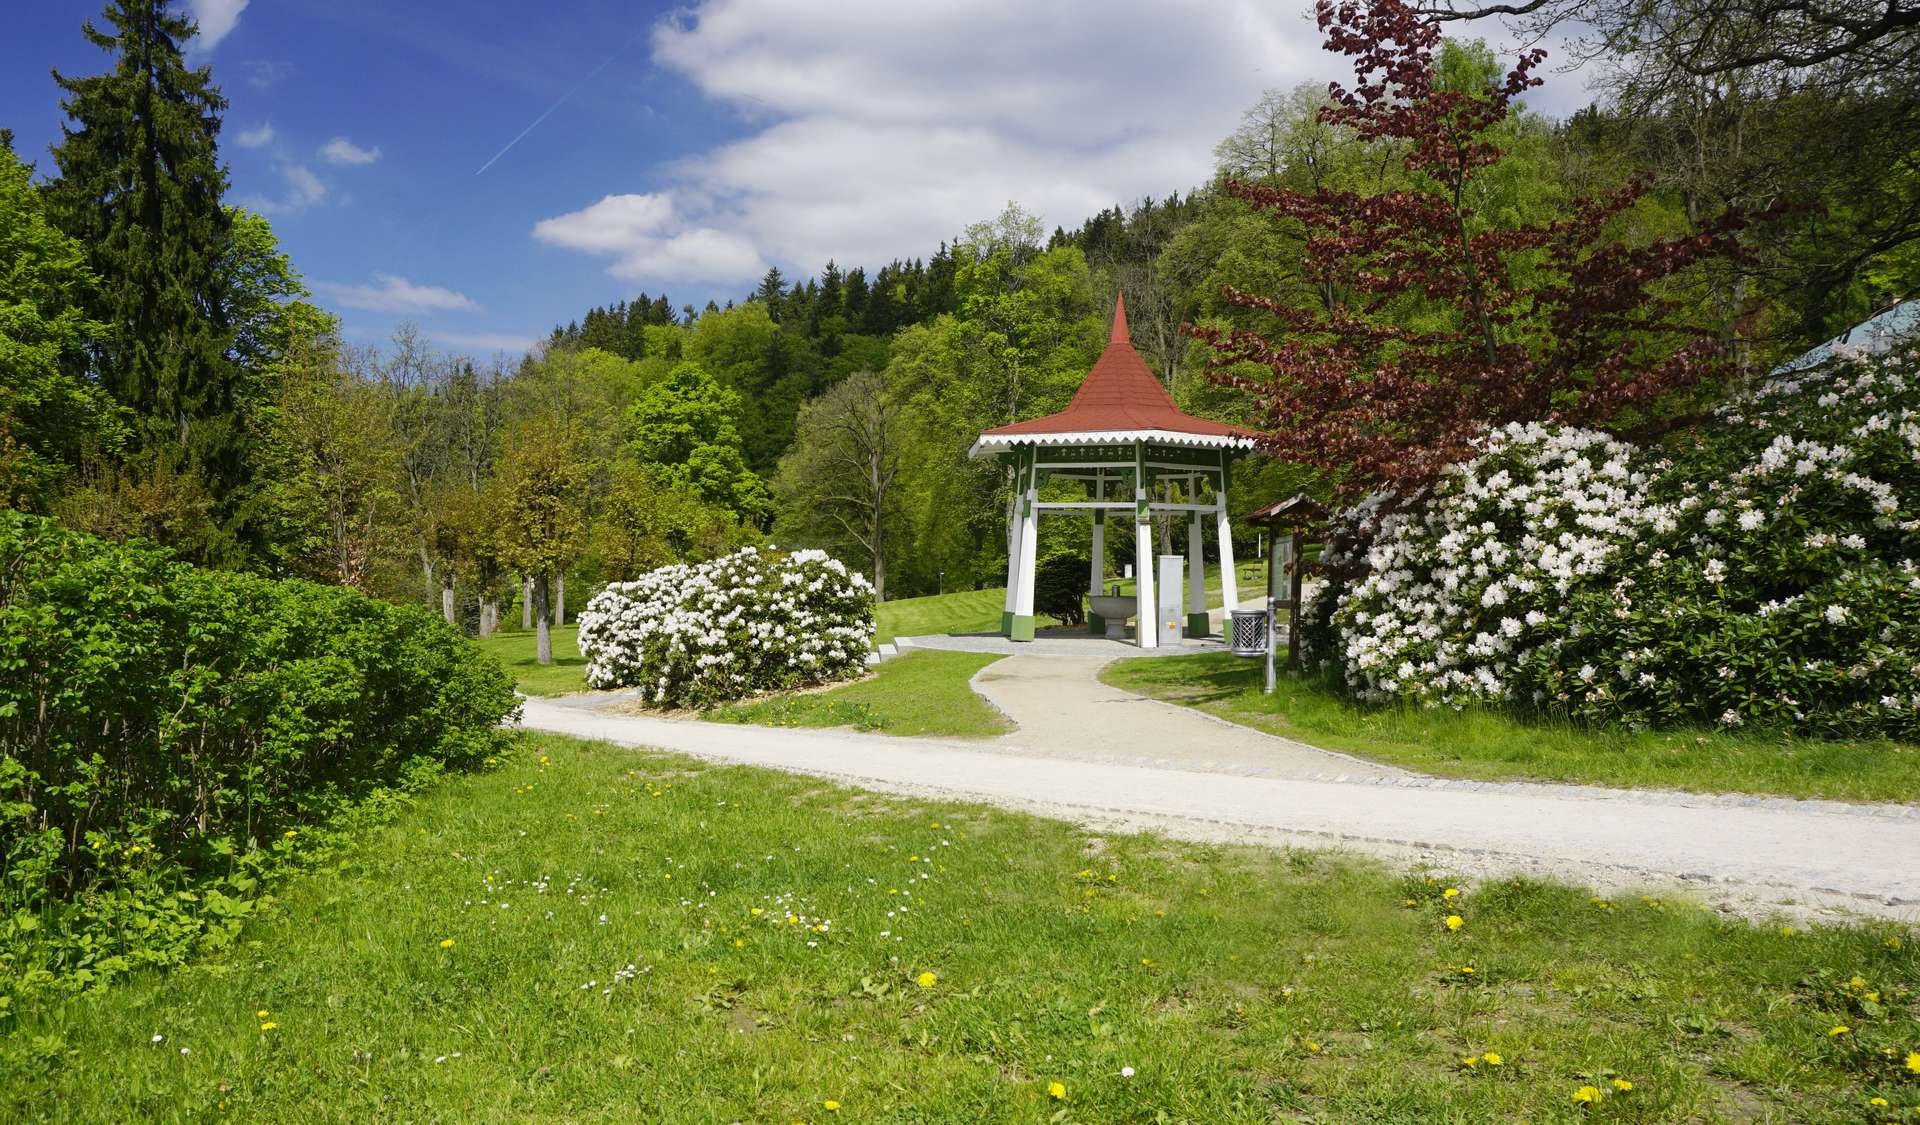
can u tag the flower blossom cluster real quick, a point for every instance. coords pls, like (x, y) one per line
(752, 621)
(1764, 570)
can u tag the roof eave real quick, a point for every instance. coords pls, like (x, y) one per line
(988, 444)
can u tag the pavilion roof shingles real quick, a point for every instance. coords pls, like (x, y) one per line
(1119, 396)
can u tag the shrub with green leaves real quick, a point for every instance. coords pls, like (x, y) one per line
(168, 733)
(1060, 587)
(1764, 569)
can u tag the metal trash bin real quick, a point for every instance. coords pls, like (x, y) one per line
(1249, 632)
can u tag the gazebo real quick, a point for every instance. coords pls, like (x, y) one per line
(1133, 449)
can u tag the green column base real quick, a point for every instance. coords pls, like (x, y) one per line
(1196, 624)
(1022, 629)
(1096, 624)
(1006, 623)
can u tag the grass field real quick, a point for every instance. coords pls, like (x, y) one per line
(916, 693)
(598, 934)
(1489, 744)
(515, 651)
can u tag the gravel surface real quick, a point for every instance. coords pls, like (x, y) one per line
(1115, 761)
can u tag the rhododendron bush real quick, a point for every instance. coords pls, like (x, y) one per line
(1763, 571)
(752, 621)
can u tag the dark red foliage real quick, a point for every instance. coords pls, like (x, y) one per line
(1554, 321)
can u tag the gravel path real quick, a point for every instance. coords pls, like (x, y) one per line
(1117, 761)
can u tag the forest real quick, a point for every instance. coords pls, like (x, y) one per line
(1723, 204)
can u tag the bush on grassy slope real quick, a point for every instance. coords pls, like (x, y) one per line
(167, 733)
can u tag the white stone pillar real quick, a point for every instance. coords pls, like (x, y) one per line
(1229, 586)
(1097, 571)
(1029, 546)
(1196, 576)
(1013, 545)
(1146, 609)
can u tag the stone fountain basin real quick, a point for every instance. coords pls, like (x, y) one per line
(1111, 608)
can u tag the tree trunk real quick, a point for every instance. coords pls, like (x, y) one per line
(426, 573)
(543, 620)
(526, 602)
(489, 614)
(447, 606)
(560, 600)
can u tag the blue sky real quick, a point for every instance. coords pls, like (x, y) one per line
(683, 149)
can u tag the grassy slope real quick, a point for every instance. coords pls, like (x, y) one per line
(1492, 745)
(1244, 985)
(918, 693)
(514, 650)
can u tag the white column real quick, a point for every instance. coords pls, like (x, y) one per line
(1029, 545)
(1229, 588)
(1013, 547)
(1097, 571)
(1196, 575)
(1146, 610)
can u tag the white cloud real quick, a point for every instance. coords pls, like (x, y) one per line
(216, 18)
(265, 74)
(304, 190)
(256, 137)
(392, 294)
(340, 150)
(614, 224)
(645, 239)
(883, 128)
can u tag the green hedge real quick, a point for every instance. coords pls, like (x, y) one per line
(169, 735)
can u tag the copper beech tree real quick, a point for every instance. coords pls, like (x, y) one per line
(1557, 320)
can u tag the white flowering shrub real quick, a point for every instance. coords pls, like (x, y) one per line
(1766, 570)
(752, 621)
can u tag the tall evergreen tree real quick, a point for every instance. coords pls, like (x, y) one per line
(140, 186)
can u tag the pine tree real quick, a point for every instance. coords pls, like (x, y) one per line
(140, 186)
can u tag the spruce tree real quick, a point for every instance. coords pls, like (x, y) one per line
(140, 186)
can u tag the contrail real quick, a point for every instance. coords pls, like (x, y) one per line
(591, 74)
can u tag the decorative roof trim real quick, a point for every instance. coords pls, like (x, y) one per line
(1000, 443)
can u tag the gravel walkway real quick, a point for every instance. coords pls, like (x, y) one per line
(1117, 761)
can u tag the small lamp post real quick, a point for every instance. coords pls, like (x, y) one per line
(1289, 521)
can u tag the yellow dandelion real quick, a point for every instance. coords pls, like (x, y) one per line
(289, 834)
(1622, 1085)
(261, 1014)
(446, 943)
(1410, 902)
(1857, 982)
(1893, 943)
(1454, 921)
(1469, 1061)
(1838, 1029)
(927, 980)
(1913, 1061)
(268, 1026)
(1876, 1101)
(1147, 961)
(1492, 1058)
(1056, 1090)
(756, 912)
(1312, 1047)
(1588, 1095)
(831, 1106)
(739, 943)
(1786, 931)
(1450, 892)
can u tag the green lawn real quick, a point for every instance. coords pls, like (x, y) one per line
(599, 934)
(1490, 744)
(514, 650)
(916, 693)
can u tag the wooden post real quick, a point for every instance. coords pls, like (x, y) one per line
(1274, 564)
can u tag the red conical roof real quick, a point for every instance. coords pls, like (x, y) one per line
(1120, 395)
